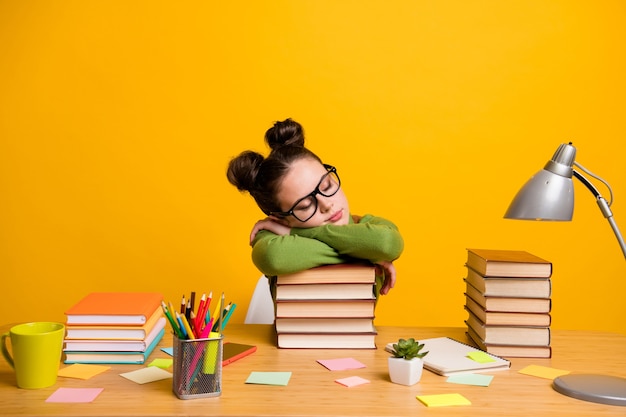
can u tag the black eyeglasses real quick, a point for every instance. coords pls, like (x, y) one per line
(306, 207)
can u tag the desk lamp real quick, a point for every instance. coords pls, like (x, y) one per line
(549, 195)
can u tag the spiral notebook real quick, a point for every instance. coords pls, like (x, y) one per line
(447, 356)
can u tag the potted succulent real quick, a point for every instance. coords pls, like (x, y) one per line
(406, 364)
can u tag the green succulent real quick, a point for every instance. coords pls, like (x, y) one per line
(408, 349)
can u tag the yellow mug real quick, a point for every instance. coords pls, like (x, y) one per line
(36, 349)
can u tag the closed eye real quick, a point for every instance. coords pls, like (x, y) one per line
(327, 185)
(304, 204)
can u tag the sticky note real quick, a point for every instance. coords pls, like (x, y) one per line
(82, 370)
(341, 364)
(162, 363)
(74, 395)
(480, 357)
(145, 375)
(443, 400)
(471, 379)
(168, 350)
(269, 378)
(543, 371)
(352, 381)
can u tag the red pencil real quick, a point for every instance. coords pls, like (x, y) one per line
(207, 307)
(199, 317)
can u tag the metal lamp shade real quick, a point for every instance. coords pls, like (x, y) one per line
(546, 196)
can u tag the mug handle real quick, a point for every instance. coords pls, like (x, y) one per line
(5, 352)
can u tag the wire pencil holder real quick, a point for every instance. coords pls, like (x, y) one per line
(197, 367)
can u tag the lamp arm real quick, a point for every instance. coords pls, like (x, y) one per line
(604, 208)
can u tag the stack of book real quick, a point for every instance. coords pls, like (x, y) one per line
(114, 327)
(328, 307)
(508, 302)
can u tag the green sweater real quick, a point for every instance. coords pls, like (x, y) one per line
(372, 239)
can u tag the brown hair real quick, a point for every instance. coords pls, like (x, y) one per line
(261, 177)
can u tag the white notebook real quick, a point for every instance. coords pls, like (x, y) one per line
(448, 356)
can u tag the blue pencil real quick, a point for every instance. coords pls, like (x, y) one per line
(181, 325)
(230, 313)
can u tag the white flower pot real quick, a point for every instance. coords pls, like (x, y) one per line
(405, 372)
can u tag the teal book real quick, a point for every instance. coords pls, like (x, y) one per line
(103, 357)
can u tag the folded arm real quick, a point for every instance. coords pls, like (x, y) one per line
(372, 239)
(275, 254)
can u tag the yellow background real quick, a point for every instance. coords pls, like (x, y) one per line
(118, 118)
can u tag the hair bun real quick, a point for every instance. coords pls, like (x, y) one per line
(243, 170)
(285, 133)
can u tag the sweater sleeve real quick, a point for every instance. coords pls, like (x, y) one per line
(373, 238)
(275, 255)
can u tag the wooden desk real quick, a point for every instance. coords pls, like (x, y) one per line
(313, 392)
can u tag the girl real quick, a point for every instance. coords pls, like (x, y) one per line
(308, 221)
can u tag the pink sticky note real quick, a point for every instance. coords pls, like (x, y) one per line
(341, 364)
(74, 395)
(352, 381)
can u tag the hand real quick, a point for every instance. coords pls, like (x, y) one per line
(389, 271)
(271, 224)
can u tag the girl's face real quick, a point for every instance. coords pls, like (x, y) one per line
(305, 187)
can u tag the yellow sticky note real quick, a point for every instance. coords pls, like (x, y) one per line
(162, 363)
(443, 400)
(82, 371)
(542, 371)
(480, 357)
(148, 374)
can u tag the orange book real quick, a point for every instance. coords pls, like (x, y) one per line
(114, 308)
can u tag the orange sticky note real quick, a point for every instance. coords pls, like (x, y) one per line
(82, 371)
(443, 400)
(542, 371)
